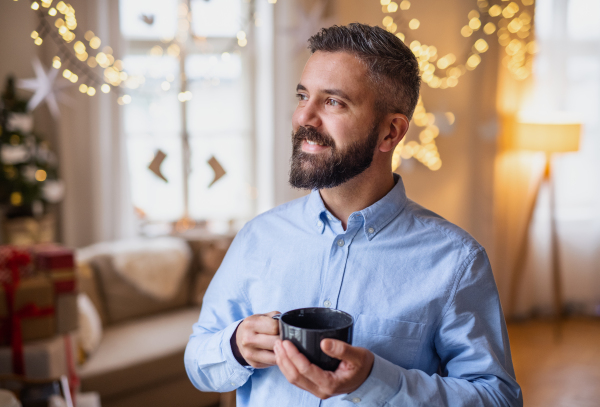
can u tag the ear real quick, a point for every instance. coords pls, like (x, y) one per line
(397, 130)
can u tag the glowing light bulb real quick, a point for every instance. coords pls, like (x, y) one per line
(40, 175)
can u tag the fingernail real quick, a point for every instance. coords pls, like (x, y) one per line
(327, 345)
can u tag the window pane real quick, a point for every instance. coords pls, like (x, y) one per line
(216, 18)
(582, 23)
(228, 198)
(583, 88)
(162, 201)
(543, 19)
(218, 102)
(152, 109)
(148, 19)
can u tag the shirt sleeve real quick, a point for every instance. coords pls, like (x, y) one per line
(209, 359)
(472, 344)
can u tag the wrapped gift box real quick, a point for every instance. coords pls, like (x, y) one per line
(67, 316)
(58, 263)
(44, 359)
(36, 291)
(53, 257)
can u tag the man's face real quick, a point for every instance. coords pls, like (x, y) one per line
(335, 129)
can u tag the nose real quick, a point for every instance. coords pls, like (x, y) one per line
(307, 115)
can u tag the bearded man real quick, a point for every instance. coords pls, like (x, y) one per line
(429, 329)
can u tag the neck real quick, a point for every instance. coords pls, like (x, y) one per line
(357, 194)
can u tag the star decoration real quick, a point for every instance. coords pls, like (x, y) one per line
(47, 87)
(309, 23)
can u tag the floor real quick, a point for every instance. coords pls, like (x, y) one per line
(557, 367)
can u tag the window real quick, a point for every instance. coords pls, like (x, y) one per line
(568, 79)
(188, 96)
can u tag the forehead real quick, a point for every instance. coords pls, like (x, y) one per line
(336, 70)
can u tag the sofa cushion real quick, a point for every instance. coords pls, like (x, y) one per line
(122, 301)
(139, 354)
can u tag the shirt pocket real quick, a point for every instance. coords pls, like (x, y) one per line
(394, 340)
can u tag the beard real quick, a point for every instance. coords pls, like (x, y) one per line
(334, 167)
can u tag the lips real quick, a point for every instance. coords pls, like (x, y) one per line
(313, 146)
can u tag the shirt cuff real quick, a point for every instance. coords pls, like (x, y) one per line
(239, 374)
(383, 382)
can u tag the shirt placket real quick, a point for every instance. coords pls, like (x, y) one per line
(338, 258)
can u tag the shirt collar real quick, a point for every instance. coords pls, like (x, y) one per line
(376, 216)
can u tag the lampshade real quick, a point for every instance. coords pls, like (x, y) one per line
(549, 137)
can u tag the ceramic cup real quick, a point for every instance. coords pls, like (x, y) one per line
(306, 327)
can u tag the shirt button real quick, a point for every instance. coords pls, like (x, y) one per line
(232, 383)
(371, 230)
(320, 224)
(329, 217)
(356, 400)
(327, 303)
(341, 242)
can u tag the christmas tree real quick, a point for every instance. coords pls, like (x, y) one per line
(28, 168)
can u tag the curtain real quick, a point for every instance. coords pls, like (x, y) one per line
(97, 205)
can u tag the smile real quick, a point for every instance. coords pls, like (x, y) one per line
(313, 146)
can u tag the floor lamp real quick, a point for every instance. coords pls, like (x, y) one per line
(550, 138)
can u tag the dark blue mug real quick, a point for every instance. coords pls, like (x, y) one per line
(307, 327)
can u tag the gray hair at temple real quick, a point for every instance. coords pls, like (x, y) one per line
(392, 66)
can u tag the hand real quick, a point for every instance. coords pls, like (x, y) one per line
(254, 339)
(354, 369)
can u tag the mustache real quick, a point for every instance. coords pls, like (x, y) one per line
(313, 135)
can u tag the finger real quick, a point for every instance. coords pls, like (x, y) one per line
(265, 324)
(291, 373)
(341, 350)
(260, 358)
(261, 341)
(305, 368)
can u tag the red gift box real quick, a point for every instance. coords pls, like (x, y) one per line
(50, 257)
(22, 301)
(58, 263)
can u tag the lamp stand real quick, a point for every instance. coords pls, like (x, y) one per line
(556, 280)
(519, 265)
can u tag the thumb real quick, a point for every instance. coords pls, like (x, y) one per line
(338, 349)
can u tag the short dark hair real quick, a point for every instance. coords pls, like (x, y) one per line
(392, 66)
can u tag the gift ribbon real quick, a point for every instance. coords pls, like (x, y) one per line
(14, 262)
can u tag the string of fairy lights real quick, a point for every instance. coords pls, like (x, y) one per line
(77, 54)
(513, 25)
(78, 62)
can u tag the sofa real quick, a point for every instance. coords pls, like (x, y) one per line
(138, 360)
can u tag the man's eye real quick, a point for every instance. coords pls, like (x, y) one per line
(301, 96)
(333, 102)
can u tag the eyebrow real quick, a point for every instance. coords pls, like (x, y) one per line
(336, 92)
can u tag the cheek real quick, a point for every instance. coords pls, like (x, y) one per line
(295, 124)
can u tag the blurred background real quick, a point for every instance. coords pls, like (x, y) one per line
(169, 121)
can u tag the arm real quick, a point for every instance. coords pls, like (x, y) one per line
(472, 344)
(209, 359)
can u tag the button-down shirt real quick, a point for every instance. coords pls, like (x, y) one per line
(420, 290)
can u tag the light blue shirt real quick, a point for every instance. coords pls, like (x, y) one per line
(420, 289)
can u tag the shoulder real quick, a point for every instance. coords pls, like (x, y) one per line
(437, 229)
(289, 212)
